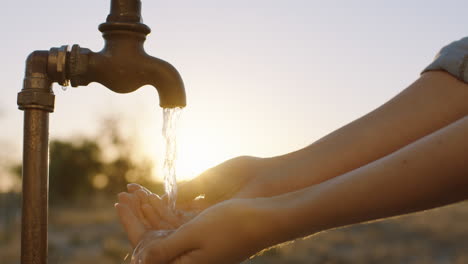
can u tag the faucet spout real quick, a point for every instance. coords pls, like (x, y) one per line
(123, 65)
(168, 82)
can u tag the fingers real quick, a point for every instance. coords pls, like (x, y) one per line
(157, 203)
(150, 209)
(151, 215)
(132, 225)
(133, 202)
(158, 215)
(132, 187)
(142, 196)
(163, 210)
(154, 219)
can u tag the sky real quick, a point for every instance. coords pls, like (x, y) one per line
(263, 77)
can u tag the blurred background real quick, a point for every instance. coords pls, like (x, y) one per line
(263, 78)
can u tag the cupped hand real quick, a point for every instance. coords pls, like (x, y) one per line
(228, 232)
(141, 211)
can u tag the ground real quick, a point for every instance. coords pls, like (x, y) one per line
(92, 234)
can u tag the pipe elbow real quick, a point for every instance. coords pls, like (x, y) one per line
(37, 86)
(36, 64)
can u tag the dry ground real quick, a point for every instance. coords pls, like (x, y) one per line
(92, 235)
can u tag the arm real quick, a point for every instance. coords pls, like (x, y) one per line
(430, 172)
(435, 100)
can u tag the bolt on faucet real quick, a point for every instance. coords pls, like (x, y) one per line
(122, 66)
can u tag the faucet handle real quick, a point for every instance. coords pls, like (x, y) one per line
(125, 15)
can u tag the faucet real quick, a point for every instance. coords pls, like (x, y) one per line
(122, 65)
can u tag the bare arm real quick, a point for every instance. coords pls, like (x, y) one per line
(428, 173)
(435, 100)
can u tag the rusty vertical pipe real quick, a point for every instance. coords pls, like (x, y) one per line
(35, 187)
(37, 100)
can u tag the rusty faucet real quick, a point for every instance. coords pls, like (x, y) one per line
(122, 66)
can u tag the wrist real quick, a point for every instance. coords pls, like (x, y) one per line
(290, 216)
(276, 221)
(283, 174)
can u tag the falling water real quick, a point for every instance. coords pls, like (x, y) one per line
(169, 131)
(171, 119)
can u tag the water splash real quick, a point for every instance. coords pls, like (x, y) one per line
(149, 237)
(171, 119)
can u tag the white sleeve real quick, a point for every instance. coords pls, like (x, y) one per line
(453, 59)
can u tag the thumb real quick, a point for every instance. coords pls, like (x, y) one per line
(200, 192)
(190, 190)
(132, 225)
(175, 246)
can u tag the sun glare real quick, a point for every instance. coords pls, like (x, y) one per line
(199, 150)
(193, 156)
(191, 162)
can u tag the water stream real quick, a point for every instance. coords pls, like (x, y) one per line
(171, 119)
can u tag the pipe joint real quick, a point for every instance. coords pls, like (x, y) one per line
(56, 65)
(37, 86)
(78, 66)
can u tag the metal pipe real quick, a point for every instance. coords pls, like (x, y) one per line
(35, 187)
(37, 100)
(125, 11)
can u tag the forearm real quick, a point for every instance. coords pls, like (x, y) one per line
(432, 102)
(430, 172)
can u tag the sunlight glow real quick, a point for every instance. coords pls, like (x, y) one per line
(193, 159)
(197, 149)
